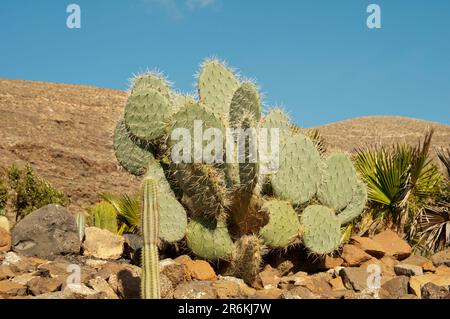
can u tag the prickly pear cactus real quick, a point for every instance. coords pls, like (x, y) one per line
(234, 210)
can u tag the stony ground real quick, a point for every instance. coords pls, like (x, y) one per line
(56, 265)
(65, 132)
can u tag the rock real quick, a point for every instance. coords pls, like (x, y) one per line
(393, 245)
(441, 258)
(397, 287)
(368, 245)
(102, 244)
(329, 262)
(133, 244)
(285, 267)
(42, 285)
(354, 256)
(272, 293)
(24, 279)
(80, 291)
(432, 291)
(227, 289)
(4, 223)
(200, 270)
(11, 288)
(125, 280)
(417, 282)
(428, 267)
(299, 293)
(244, 290)
(337, 283)
(442, 270)
(6, 273)
(355, 278)
(268, 278)
(316, 285)
(195, 290)
(409, 296)
(100, 285)
(175, 271)
(415, 260)
(408, 270)
(95, 263)
(292, 279)
(11, 259)
(46, 233)
(5, 241)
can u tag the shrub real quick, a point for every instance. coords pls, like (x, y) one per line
(30, 191)
(401, 181)
(103, 215)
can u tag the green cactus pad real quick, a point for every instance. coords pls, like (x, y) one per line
(283, 227)
(216, 86)
(173, 218)
(298, 177)
(322, 229)
(208, 241)
(155, 171)
(132, 154)
(185, 119)
(147, 113)
(338, 182)
(277, 118)
(180, 101)
(357, 204)
(151, 80)
(245, 103)
(205, 186)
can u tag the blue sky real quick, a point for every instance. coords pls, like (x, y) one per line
(316, 58)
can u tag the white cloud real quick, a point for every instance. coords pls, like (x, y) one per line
(177, 8)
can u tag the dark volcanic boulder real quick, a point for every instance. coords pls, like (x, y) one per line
(46, 233)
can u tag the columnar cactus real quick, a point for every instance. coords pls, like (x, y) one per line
(150, 282)
(231, 210)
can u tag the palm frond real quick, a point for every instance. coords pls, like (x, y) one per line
(128, 211)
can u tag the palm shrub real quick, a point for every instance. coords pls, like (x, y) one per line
(432, 225)
(128, 211)
(401, 179)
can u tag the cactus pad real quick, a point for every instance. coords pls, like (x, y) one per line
(298, 177)
(186, 119)
(357, 204)
(321, 227)
(277, 118)
(131, 153)
(216, 86)
(205, 186)
(151, 80)
(173, 218)
(338, 182)
(283, 227)
(147, 113)
(245, 103)
(209, 241)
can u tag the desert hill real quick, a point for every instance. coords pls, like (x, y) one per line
(65, 132)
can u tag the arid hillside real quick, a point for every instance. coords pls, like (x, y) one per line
(65, 132)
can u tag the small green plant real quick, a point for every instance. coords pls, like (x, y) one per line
(103, 215)
(26, 192)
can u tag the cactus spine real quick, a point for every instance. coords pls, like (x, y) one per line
(150, 282)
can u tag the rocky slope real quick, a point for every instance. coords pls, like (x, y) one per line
(65, 132)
